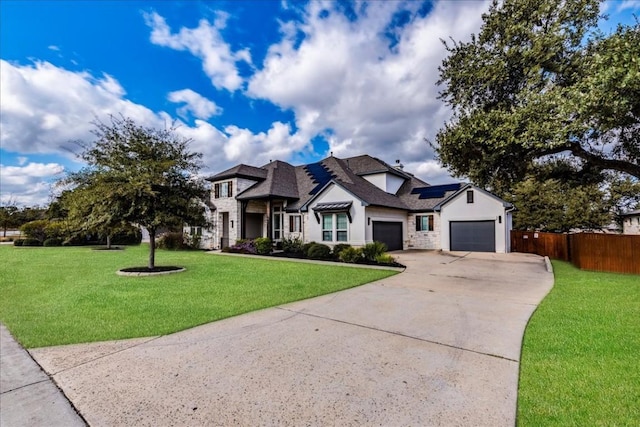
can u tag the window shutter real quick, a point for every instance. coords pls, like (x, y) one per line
(430, 222)
(216, 190)
(418, 219)
(230, 188)
(291, 224)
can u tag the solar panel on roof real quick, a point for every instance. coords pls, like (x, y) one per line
(320, 175)
(435, 191)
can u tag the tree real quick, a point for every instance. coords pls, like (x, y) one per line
(9, 216)
(557, 206)
(539, 82)
(139, 175)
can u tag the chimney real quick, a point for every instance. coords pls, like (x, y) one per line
(399, 165)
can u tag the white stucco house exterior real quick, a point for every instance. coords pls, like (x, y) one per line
(355, 200)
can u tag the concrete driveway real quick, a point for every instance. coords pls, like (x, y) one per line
(436, 345)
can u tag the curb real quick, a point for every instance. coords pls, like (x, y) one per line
(547, 262)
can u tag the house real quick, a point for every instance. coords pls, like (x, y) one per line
(631, 222)
(354, 200)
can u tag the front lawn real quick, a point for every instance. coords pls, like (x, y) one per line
(51, 296)
(581, 354)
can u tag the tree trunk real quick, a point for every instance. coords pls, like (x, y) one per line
(152, 248)
(108, 241)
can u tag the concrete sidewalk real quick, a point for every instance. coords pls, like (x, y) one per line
(28, 397)
(436, 345)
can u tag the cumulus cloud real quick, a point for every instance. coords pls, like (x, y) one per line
(28, 184)
(196, 104)
(45, 108)
(206, 43)
(367, 80)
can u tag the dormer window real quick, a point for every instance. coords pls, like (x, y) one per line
(470, 196)
(223, 189)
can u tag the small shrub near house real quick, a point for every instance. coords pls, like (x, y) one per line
(319, 251)
(351, 255)
(371, 251)
(306, 247)
(339, 248)
(385, 259)
(242, 247)
(292, 246)
(263, 245)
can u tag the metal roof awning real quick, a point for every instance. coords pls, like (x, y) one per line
(333, 207)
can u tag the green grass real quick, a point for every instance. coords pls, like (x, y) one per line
(52, 296)
(580, 361)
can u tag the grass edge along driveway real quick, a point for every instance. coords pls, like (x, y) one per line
(68, 295)
(579, 363)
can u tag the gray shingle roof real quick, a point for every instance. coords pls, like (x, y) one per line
(297, 183)
(240, 171)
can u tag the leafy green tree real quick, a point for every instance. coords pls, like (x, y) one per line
(557, 206)
(139, 175)
(9, 217)
(540, 82)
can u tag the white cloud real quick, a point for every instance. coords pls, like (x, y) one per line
(346, 79)
(628, 5)
(197, 104)
(28, 184)
(206, 43)
(46, 108)
(54, 48)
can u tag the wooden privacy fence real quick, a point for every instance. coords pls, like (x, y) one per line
(618, 253)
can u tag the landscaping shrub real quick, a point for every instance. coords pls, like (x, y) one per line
(371, 251)
(350, 254)
(306, 247)
(339, 248)
(385, 259)
(263, 245)
(128, 236)
(242, 247)
(55, 229)
(171, 241)
(18, 242)
(31, 242)
(319, 251)
(35, 229)
(292, 246)
(53, 241)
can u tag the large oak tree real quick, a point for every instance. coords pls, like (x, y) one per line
(139, 175)
(540, 84)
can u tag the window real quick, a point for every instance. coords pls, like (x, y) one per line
(341, 227)
(470, 196)
(327, 228)
(295, 224)
(277, 223)
(424, 223)
(223, 189)
(196, 231)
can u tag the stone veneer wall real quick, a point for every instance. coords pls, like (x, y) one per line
(424, 239)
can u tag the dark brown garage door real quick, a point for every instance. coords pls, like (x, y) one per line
(473, 236)
(389, 233)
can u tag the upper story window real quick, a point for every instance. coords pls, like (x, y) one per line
(469, 196)
(424, 223)
(223, 189)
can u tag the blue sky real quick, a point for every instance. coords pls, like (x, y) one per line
(248, 81)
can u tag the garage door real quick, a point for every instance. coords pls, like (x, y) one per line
(389, 233)
(473, 236)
